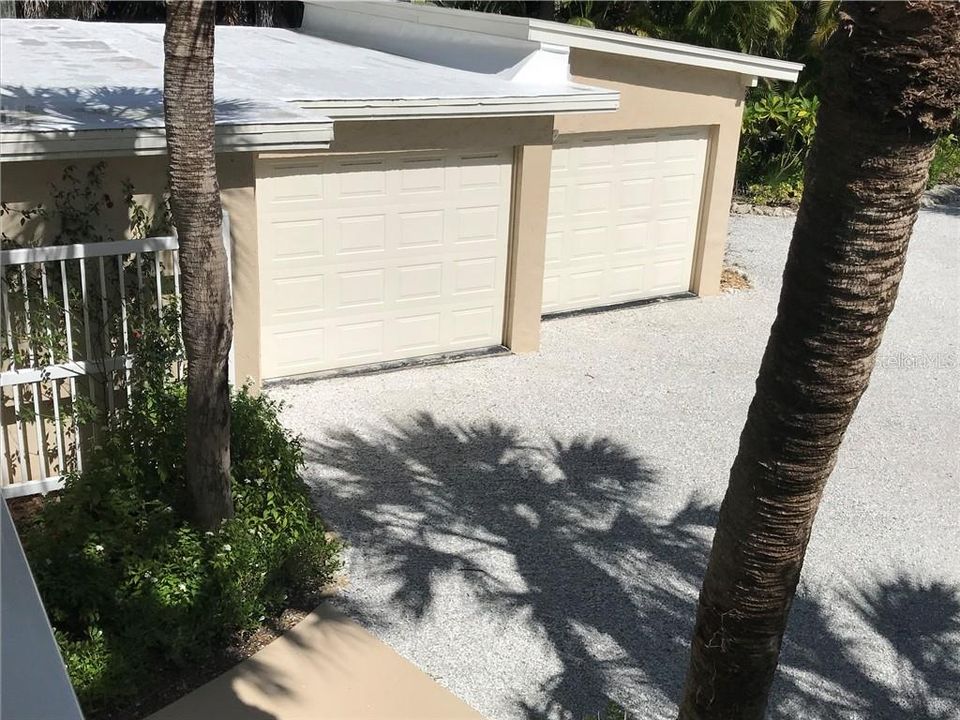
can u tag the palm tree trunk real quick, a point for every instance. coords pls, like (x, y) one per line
(891, 80)
(205, 291)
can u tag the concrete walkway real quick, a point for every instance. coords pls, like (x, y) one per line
(326, 668)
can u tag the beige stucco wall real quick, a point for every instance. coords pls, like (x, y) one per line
(532, 140)
(662, 95)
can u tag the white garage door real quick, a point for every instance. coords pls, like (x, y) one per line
(623, 217)
(371, 258)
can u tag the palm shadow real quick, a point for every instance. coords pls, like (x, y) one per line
(914, 625)
(72, 109)
(569, 540)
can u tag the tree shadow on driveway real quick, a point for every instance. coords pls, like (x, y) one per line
(569, 540)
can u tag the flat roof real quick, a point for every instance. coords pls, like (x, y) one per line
(545, 31)
(90, 81)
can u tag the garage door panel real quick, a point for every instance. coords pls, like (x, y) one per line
(479, 224)
(410, 262)
(630, 238)
(586, 285)
(636, 194)
(420, 229)
(623, 216)
(625, 280)
(301, 295)
(422, 175)
(294, 351)
(473, 326)
(419, 334)
(592, 197)
(359, 234)
(298, 241)
(589, 242)
(423, 281)
(669, 276)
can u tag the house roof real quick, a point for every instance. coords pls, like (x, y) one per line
(370, 18)
(98, 87)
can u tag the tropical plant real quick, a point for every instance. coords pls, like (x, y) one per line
(945, 167)
(205, 286)
(826, 16)
(864, 180)
(761, 26)
(778, 129)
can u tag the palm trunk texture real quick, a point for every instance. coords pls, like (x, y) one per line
(891, 81)
(205, 291)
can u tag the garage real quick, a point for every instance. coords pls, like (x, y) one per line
(370, 258)
(623, 217)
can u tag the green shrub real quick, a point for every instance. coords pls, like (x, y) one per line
(778, 129)
(945, 168)
(132, 588)
(786, 192)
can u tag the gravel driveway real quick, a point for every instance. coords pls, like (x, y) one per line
(531, 530)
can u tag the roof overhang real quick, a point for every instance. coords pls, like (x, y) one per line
(468, 39)
(426, 108)
(51, 144)
(664, 51)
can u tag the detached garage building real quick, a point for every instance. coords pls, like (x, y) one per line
(405, 181)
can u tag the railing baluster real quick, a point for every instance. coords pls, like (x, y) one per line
(124, 328)
(54, 387)
(42, 460)
(86, 325)
(105, 333)
(158, 278)
(140, 302)
(21, 433)
(68, 321)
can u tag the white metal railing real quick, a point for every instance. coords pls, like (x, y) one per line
(85, 295)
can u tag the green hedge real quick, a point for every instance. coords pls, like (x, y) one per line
(778, 129)
(134, 589)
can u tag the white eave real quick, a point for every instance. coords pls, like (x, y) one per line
(398, 23)
(424, 108)
(663, 50)
(51, 144)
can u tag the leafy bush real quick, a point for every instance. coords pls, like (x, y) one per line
(777, 132)
(778, 129)
(131, 586)
(786, 192)
(945, 168)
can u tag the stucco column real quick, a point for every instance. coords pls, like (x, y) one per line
(724, 143)
(531, 195)
(237, 193)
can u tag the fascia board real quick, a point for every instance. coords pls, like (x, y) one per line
(467, 107)
(16, 146)
(663, 51)
(544, 31)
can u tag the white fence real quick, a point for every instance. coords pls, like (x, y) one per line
(69, 312)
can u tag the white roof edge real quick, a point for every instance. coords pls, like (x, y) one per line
(41, 145)
(545, 31)
(663, 50)
(463, 107)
